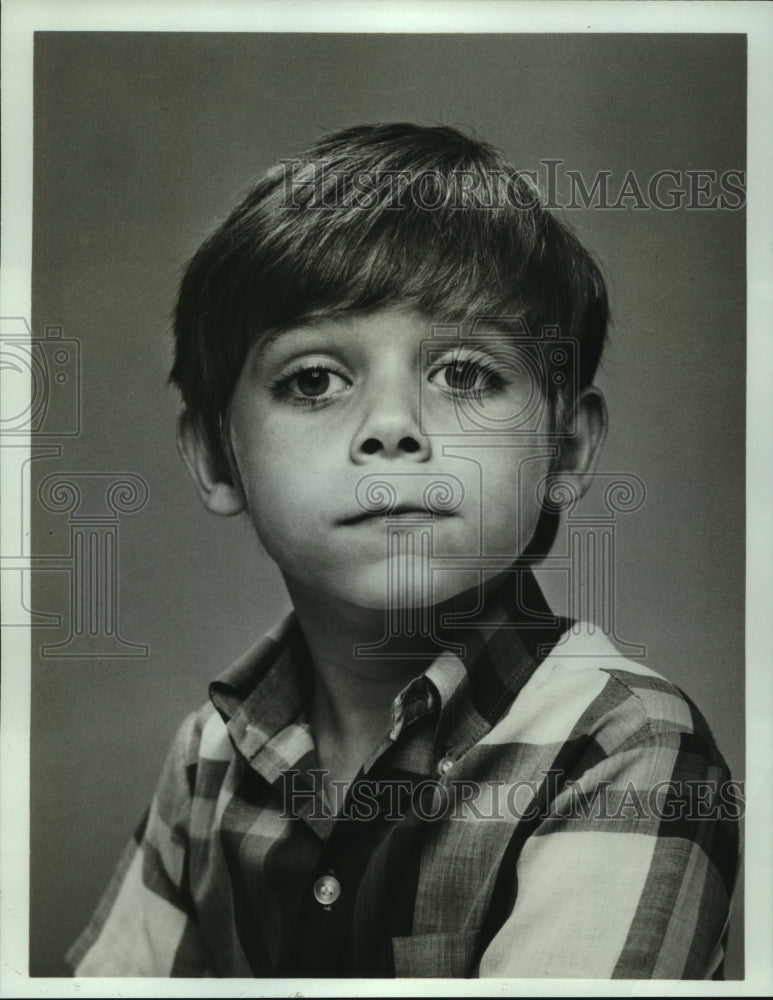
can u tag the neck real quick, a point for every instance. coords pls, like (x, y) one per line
(353, 691)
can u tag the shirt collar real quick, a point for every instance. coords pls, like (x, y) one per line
(264, 694)
(265, 691)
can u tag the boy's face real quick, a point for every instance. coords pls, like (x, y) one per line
(331, 422)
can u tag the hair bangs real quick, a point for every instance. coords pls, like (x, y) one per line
(420, 244)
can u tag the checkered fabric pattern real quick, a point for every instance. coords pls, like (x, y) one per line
(539, 807)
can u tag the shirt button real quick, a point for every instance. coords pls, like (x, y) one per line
(327, 890)
(445, 765)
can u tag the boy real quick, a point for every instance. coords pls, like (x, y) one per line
(386, 356)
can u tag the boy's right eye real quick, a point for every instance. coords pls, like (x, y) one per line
(309, 384)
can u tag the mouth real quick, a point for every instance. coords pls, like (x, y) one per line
(398, 512)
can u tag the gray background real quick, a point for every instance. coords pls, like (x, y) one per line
(142, 142)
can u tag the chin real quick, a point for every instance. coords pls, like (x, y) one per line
(402, 586)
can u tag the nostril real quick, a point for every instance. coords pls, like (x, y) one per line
(371, 446)
(409, 444)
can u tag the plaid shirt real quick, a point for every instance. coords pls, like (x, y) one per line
(538, 807)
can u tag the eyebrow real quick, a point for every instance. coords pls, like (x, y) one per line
(307, 325)
(266, 342)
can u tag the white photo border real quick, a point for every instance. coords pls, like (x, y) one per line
(21, 18)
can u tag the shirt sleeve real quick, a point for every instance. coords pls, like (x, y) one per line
(145, 924)
(629, 870)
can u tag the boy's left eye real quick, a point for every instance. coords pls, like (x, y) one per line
(468, 377)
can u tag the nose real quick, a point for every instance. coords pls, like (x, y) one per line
(391, 429)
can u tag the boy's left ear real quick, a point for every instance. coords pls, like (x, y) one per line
(580, 451)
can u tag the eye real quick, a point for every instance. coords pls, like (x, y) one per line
(311, 384)
(468, 376)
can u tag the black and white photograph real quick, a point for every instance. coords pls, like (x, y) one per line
(386, 470)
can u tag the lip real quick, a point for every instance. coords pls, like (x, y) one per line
(401, 510)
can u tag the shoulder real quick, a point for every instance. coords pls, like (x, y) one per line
(203, 735)
(200, 749)
(586, 689)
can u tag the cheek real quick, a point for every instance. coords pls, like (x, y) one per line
(272, 487)
(276, 494)
(289, 501)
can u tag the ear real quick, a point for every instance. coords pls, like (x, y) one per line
(219, 497)
(580, 451)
